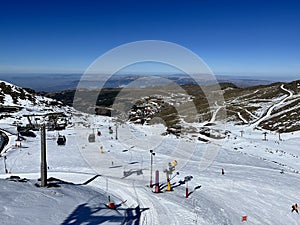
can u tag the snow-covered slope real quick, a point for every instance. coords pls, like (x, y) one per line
(273, 107)
(15, 102)
(261, 177)
(11, 95)
(24, 203)
(252, 185)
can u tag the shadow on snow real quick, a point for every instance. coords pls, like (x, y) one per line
(87, 215)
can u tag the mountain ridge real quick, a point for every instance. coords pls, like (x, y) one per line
(273, 107)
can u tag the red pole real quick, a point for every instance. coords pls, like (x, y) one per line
(156, 182)
(186, 190)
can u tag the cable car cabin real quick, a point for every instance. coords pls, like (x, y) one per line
(61, 140)
(92, 138)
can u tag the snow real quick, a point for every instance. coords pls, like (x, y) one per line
(36, 104)
(253, 184)
(251, 114)
(242, 118)
(213, 118)
(276, 105)
(68, 204)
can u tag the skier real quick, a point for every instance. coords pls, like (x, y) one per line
(110, 130)
(223, 172)
(295, 208)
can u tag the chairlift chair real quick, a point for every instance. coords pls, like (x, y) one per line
(92, 138)
(61, 140)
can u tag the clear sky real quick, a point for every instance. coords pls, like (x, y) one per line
(233, 37)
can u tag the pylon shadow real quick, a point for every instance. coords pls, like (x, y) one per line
(89, 215)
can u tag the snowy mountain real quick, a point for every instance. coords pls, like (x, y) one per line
(219, 173)
(272, 107)
(16, 102)
(13, 96)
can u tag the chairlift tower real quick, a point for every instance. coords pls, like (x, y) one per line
(43, 157)
(265, 136)
(116, 131)
(242, 133)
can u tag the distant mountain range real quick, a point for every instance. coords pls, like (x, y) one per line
(59, 82)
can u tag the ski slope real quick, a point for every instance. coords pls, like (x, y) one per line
(270, 110)
(252, 184)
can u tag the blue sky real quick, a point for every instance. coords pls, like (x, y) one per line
(232, 37)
